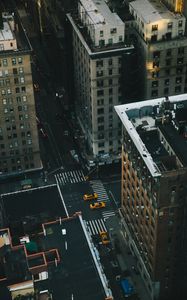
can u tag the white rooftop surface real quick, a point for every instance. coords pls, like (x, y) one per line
(6, 33)
(151, 11)
(100, 14)
(122, 113)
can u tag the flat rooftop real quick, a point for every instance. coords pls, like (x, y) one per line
(152, 11)
(32, 206)
(99, 13)
(64, 251)
(76, 276)
(158, 129)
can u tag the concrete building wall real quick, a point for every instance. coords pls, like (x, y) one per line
(19, 137)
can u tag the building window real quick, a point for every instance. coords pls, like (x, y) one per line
(3, 92)
(100, 102)
(179, 70)
(99, 73)
(154, 83)
(110, 91)
(113, 30)
(110, 100)
(110, 71)
(180, 33)
(101, 43)
(154, 27)
(110, 81)
(155, 74)
(100, 111)
(181, 50)
(20, 70)
(100, 92)
(101, 33)
(154, 38)
(14, 61)
(16, 81)
(100, 127)
(166, 91)
(23, 89)
(99, 83)
(20, 60)
(170, 25)
(178, 89)
(110, 61)
(180, 61)
(5, 62)
(156, 54)
(178, 80)
(17, 89)
(167, 71)
(22, 80)
(1, 47)
(180, 23)
(100, 136)
(15, 71)
(154, 93)
(168, 53)
(166, 81)
(168, 62)
(101, 144)
(120, 38)
(99, 63)
(100, 119)
(110, 41)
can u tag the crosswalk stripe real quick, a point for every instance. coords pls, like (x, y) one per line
(96, 226)
(93, 226)
(74, 176)
(102, 224)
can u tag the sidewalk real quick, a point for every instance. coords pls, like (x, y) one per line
(126, 261)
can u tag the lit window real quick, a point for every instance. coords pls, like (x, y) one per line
(20, 60)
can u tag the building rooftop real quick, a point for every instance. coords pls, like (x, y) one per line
(13, 37)
(65, 258)
(158, 129)
(152, 10)
(24, 209)
(99, 13)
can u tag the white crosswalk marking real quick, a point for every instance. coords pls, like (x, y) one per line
(99, 188)
(74, 176)
(107, 214)
(96, 226)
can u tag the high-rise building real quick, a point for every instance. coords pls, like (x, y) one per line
(19, 146)
(159, 36)
(98, 53)
(153, 203)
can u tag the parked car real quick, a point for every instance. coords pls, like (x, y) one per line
(93, 196)
(97, 205)
(104, 237)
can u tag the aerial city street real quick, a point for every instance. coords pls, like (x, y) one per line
(93, 149)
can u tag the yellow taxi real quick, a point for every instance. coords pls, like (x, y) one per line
(93, 196)
(97, 205)
(104, 237)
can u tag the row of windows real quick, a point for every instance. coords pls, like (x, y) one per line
(100, 73)
(168, 62)
(178, 89)
(169, 25)
(100, 83)
(18, 168)
(110, 91)
(100, 63)
(112, 31)
(19, 108)
(14, 61)
(156, 73)
(9, 101)
(110, 41)
(178, 80)
(8, 91)
(15, 71)
(169, 52)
